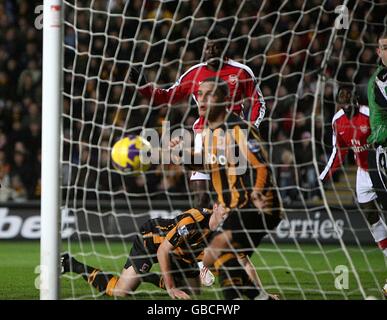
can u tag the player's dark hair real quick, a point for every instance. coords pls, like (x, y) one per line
(382, 36)
(354, 100)
(218, 35)
(220, 86)
(349, 88)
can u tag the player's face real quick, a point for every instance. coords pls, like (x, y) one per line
(213, 53)
(209, 101)
(382, 50)
(218, 213)
(345, 101)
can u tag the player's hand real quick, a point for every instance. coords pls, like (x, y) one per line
(174, 143)
(136, 77)
(176, 146)
(260, 201)
(175, 293)
(273, 296)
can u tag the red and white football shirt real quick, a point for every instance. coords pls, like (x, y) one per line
(352, 134)
(239, 77)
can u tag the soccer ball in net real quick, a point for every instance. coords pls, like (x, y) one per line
(128, 154)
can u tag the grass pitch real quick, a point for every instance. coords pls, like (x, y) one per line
(293, 272)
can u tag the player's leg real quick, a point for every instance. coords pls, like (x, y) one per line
(377, 169)
(98, 279)
(135, 271)
(199, 186)
(244, 231)
(233, 278)
(235, 281)
(367, 199)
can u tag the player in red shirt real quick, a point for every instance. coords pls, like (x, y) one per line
(246, 97)
(351, 128)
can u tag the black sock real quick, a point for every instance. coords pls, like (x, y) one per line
(81, 268)
(251, 291)
(95, 277)
(100, 280)
(232, 278)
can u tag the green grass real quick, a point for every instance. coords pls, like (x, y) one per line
(305, 272)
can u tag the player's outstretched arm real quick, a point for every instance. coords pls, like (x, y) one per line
(163, 253)
(179, 91)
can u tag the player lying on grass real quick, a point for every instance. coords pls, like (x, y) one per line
(249, 197)
(176, 244)
(351, 129)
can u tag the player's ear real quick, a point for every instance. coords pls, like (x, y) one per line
(378, 52)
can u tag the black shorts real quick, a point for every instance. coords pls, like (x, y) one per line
(142, 260)
(248, 227)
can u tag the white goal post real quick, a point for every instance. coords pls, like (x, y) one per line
(51, 112)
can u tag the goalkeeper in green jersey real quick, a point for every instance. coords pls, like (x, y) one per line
(377, 97)
(377, 101)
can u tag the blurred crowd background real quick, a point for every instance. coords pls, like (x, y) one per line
(283, 42)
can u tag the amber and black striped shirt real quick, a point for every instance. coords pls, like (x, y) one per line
(188, 233)
(233, 181)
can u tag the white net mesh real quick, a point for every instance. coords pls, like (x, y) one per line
(298, 59)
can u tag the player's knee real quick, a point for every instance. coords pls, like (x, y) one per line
(371, 212)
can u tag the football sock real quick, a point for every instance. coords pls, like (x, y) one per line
(233, 278)
(379, 232)
(250, 291)
(103, 282)
(100, 280)
(81, 268)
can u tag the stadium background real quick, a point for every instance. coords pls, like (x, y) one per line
(287, 75)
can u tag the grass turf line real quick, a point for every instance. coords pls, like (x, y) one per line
(308, 273)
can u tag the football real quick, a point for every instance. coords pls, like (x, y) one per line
(128, 154)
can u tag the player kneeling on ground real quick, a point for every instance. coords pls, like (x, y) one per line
(176, 244)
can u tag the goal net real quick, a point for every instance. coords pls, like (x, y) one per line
(323, 249)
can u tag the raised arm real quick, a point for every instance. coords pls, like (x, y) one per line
(182, 88)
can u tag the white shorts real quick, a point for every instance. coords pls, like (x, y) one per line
(196, 175)
(198, 147)
(364, 189)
